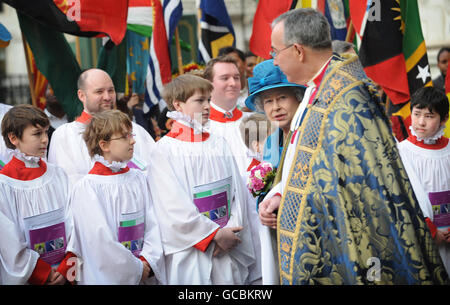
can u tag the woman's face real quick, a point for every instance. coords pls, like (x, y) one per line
(280, 105)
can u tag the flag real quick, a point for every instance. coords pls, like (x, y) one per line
(55, 59)
(159, 70)
(38, 81)
(334, 10)
(173, 10)
(216, 29)
(266, 12)
(87, 18)
(392, 50)
(140, 17)
(138, 55)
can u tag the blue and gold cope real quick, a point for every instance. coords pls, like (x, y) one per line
(348, 200)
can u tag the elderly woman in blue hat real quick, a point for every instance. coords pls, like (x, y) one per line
(272, 94)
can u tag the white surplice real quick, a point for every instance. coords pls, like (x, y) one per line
(21, 199)
(428, 171)
(98, 203)
(177, 167)
(68, 149)
(231, 133)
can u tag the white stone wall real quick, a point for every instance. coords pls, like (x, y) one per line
(435, 20)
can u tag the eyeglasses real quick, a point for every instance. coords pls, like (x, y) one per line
(128, 136)
(275, 53)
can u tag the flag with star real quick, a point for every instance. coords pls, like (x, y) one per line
(138, 55)
(393, 51)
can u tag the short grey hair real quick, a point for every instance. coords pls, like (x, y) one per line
(297, 91)
(305, 26)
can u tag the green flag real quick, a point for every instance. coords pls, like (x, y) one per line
(55, 59)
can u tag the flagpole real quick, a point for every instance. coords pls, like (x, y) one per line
(78, 50)
(30, 80)
(179, 56)
(350, 32)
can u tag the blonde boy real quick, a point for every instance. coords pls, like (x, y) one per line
(118, 238)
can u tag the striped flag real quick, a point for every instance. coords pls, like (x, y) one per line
(140, 17)
(159, 69)
(393, 51)
(216, 29)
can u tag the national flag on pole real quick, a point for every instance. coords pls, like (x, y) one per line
(55, 59)
(138, 55)
(159, 70)
(140, 17)
(216, 29)
(392, 50)
(87, 18)
(335, 11)
(173, 11)
(266, 12)
(39, 82)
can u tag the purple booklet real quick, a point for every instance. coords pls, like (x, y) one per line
(440, 202)
(212, 200)
(131, 232)
(47, 235)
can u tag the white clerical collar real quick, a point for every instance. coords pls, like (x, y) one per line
(30, 161)
(115, 166)
(221, 109)
(311, 83)
(188, 121)
(432, 139)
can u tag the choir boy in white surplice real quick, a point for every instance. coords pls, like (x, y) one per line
(67, 148)
(117, 237)
(199, 196)
(426, 156)
(34, 199)
(225, 117)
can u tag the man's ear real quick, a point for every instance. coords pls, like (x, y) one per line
(81, 95)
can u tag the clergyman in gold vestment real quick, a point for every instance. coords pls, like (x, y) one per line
(347, 214)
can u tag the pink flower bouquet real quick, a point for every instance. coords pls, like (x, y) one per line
(261, 178)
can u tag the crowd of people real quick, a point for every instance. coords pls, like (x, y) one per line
(116, 200)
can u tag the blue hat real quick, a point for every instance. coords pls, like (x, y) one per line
(266, 76)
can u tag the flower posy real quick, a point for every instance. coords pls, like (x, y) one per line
(260, 179)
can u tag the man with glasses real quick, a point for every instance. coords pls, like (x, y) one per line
(344, 209)
(68, 150)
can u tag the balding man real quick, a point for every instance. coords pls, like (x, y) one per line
(68, 149)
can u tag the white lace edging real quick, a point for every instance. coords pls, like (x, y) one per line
(115, 166)
(188, 121)
(30, 161)
(430, 140)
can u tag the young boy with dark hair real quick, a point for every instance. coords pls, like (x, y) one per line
(426, 156)
(118, 238)
(34, 197)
